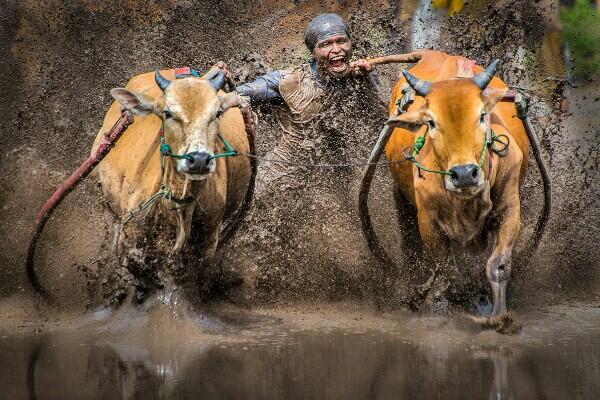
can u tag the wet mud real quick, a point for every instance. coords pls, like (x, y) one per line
(59, 61)
(298, 307)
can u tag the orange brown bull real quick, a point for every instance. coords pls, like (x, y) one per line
(206, 184)
(197, 187)
(469, 184)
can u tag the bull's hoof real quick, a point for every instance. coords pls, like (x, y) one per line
(503, 323)
(437, 304)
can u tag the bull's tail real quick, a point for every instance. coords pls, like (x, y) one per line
(413, 57)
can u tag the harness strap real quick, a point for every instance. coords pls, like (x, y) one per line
(166, 151)
(186, 72)
(490, 139)
(230, 151)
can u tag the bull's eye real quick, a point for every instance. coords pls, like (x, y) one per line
(482, 118)
(219, 113)
(168, 114)
(431, 124)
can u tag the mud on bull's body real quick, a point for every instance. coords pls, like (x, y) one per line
(472, 183)
(205, 190)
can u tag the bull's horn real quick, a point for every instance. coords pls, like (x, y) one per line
(420, 86)
(161, 81)
(483, 78)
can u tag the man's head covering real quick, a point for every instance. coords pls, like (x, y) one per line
(324, 26)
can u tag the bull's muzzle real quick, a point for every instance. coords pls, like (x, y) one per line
(197, 163)
(464, 176)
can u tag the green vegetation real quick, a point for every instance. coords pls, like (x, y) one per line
(581, 27)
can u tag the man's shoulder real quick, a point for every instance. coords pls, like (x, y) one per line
(295, 73)
(297, 76)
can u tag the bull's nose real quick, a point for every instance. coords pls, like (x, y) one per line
(466, 175)
(197, 162)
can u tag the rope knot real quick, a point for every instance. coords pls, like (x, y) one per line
(420, 142)
(165, 149)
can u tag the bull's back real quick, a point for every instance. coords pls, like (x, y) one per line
(436, 66)
(232, 128)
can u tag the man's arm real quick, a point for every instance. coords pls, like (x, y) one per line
(263, 88)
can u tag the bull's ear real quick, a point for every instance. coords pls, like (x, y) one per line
(229, 100)
(491, 96)
(409, 119)
(137, 103)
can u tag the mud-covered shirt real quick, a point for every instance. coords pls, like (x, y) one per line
(302, 234)
(306, 115)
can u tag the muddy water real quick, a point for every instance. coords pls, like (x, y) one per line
(302, 355)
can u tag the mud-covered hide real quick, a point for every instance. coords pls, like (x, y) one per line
(303, 239)
(169, 240)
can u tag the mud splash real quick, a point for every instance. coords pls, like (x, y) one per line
(82, 43)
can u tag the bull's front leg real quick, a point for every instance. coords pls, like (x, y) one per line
(210, 242)
(436, 245)
(498, 268)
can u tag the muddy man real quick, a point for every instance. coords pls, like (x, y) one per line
(308, 90)
(303, 226)
(327, 37)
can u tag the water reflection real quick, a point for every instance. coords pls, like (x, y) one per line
(278, 361)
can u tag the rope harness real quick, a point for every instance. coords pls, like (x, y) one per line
(488, 147)
(164, 193)
(321, 165)
(166, 151)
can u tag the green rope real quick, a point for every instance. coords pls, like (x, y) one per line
(163, 193)
(230, 150)
(484, 149)
(166, 151)
(420, 142)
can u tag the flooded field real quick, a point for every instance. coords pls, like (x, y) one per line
(306, 354)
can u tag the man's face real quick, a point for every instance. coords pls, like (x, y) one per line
(333, 56)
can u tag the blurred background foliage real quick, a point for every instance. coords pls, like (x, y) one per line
(453, 6)
(581, 29)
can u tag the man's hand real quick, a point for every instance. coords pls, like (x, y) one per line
(361, 67)
(243, 101)
(224, 68)
(219, 75)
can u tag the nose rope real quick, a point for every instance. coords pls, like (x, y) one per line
(166, 151)
(412, 156)
(231, 152)
(420, 142)
(164, 193)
